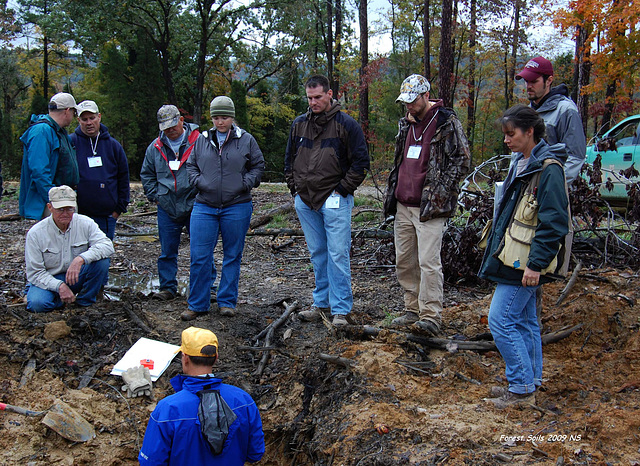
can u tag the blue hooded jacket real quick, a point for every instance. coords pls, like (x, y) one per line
(173, 434)
(48, 160)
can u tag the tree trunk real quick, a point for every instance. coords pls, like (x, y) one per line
(426, 32)
(584, 74)
(471, 99)
(204, 8)
(45, 68)
(364, 63)
(446, 54)
(337, 50)
(329, 44)
(608, 106)
(511, 74)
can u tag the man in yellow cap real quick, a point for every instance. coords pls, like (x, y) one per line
(206, 422)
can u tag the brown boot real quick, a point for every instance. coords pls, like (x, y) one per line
(314, 314)
(409, 318)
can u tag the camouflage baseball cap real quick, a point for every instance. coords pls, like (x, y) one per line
(412, 88)
(168, 116)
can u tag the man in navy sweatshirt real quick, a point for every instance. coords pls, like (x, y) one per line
(103, 190)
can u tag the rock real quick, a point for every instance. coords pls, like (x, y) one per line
(56, 330)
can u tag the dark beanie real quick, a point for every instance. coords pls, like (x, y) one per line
(222, 106)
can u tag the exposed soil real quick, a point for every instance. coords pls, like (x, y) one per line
(316, 412)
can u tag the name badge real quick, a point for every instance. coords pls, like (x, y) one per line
(174, 165)
(414, 152)
(333, 202)
(94, 161)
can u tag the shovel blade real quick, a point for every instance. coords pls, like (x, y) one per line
(66, 421)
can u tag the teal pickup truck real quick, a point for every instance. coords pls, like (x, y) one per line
(619, 148)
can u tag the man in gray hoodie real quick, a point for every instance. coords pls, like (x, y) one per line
(558, 111)
(166, 183)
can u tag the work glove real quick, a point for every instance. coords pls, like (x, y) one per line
(138, 382)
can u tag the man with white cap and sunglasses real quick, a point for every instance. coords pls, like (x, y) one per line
(431, 158)
(49, 158)
(103, 190)
(66, 256)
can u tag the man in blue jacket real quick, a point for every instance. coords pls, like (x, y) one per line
(48, 159)
(103, 190)
(230, 417)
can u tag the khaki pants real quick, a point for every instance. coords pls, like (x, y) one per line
(418, 263)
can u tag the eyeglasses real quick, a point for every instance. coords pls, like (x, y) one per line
(67, 210)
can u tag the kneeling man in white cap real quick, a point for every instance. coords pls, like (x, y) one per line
(66, 255)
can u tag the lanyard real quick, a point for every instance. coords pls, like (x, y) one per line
(413, 128)
(94, 148)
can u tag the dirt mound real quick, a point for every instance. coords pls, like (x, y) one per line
(390, 400)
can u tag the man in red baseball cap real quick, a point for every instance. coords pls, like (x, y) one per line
(558, 111)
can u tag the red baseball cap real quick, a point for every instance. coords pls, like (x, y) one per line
(535, 68)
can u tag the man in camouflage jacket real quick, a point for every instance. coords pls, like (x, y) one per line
(431, 158)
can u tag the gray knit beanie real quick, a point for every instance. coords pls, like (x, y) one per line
(222, 106)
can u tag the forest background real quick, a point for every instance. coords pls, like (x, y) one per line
(131, 57)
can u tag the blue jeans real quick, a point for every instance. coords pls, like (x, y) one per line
(107, 225)
(90, 281)
(328, 235)
(207, 223)
(169, 232)
(514, 326)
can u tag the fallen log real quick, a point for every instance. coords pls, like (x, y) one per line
(344, 362)
(10, 217)
(451, 344)
(135, 317)
(140, 214)
(367, 233)
(268, 333)
(266, 217)
(572, 281)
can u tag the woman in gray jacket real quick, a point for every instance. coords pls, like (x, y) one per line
(226, 163)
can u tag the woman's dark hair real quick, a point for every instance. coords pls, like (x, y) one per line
(523, 117)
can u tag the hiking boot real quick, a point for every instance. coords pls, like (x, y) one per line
(339, 320)
(163, 295)
(498, 391)
(190, 315)
(514, 399)
(426, 327)
(409, 318)
(227, 311)
(314, 314)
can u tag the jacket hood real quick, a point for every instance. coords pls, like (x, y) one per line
(104, 132)
(322, 118)
(540, 153)
(194, 384)
(555, 93)
(44, 119)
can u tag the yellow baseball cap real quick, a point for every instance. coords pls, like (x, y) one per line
(194, 339)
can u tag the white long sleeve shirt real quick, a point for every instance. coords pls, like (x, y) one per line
(49, 251)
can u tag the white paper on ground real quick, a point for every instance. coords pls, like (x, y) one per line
(161, 353)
